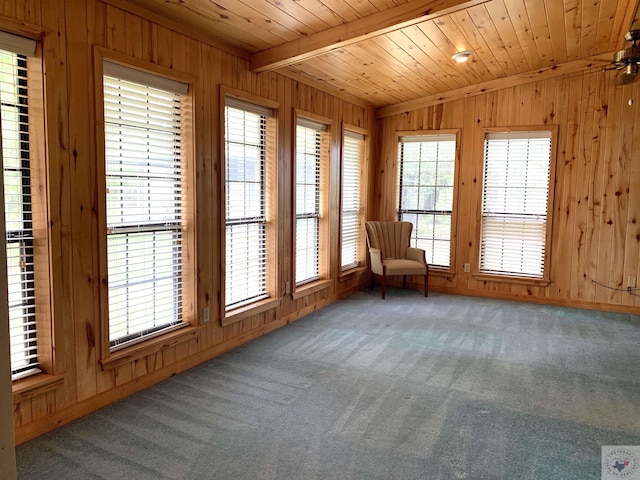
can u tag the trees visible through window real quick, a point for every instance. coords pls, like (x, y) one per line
(427, 173)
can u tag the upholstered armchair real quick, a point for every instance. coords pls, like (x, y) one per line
(391, 254)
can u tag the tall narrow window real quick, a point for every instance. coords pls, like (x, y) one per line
(351, 215)
(309, 152)
(16, 152)
(247, 131)
(144, 203)
(515, 203)
(427, 173)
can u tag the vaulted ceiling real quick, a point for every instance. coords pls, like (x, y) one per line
(393, 54)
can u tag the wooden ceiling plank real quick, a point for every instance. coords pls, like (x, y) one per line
(627, 18)
(418, 60)
(537, 14)
(572, 18)
(522, 26)
(301, 8)
(355, 31)
(385, 73)
(498, 84)
(301, 22)
(484, 55)
(476, 68)
(402, 63)
(481, 19)
(589, 22)
(439, 48)
(214, 37)
(500, 18)
(555, 20)
(606, 20)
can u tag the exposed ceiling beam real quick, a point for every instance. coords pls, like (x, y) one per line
(355, 31)
(497, 84)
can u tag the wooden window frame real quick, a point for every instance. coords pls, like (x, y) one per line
(324, 280)
(110, 359)
(46, 233)
(244, 311)
(434, 270)
(515, 279)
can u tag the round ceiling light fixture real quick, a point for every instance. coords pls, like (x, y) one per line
(461, 57)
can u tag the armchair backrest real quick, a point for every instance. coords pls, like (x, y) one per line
(391, 238)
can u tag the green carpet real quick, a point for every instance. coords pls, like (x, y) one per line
(445, 387)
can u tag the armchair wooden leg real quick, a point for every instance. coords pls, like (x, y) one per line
(384, 283)
(404, 281)
(373, 277)
(426, 283)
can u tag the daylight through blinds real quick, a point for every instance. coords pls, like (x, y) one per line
(144, 209)
(308, 157)
(351, 228)
(514, 203)
(18, 217)
(245, 202)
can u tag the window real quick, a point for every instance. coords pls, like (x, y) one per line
(19, 221)
(517, 166)
(145, 204)
(427, 178)
(249, 132)
(351, 215)
(311, 139)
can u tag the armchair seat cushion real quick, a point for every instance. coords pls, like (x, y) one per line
(401, 266)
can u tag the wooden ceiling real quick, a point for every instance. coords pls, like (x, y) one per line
(394, 54)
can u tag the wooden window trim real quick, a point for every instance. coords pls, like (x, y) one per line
(237, 314)
(34, 385)
(311, 287)
(109, 359)
(352, 272)
(545, 280)
(324, 251)
(434, 270)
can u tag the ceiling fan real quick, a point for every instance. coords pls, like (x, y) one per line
(627, 61)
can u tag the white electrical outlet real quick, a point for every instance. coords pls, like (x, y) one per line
(467, 267)
(631, 282)
(205, 314)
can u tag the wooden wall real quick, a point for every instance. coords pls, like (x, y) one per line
(69, 31)
(596, 211)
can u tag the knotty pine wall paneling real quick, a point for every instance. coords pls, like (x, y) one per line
(69, 31)
(596, 210)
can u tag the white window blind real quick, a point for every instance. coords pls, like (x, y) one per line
(18, 217)
(246, 219)
(515, 202)
(308, 158)
(351, 218)
(144, 208)
(427, 173)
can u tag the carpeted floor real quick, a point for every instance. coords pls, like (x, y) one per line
(447, 387)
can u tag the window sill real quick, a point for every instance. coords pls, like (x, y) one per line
(441, 272)
(246, 311)
(153, 345)
(352, 272)
(310, 288)
(485, 277)
(35, 385)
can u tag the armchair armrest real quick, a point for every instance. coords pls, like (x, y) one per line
(376, 260)
(416, 254)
